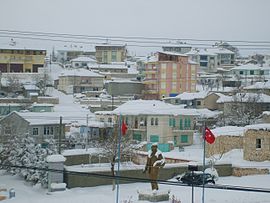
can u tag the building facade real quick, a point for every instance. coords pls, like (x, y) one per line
(80, 80)
(110, 53)
(169, 74)
(21, 60)
(16, 124)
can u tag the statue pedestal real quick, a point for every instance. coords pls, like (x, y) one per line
(154, 196)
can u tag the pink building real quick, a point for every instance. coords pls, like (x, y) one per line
(169, 74)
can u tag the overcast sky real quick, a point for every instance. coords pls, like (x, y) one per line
(201, 19)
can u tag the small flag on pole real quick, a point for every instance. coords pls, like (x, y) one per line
(209, 136)
(124, 128)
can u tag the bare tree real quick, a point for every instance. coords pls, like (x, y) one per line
(13, 83)
(110, 145)
(243, 110)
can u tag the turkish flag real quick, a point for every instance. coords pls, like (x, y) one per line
(124, 128)
(209, 136)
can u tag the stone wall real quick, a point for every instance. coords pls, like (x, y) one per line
(248, 171)
(251, 151)
(223, 144)
(48, 100)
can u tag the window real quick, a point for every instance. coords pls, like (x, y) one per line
(35, 131)
(152, 121)
(252, 72)
(187, 123)
(110, 120)
(174, 85)
(174, 71)
(48, 130)
(258, 143)
(113, 56)
(198, 103)
(184, 138)
(203, 57)
(156, 121)
(137, 137)
(181, 124)
(241, 72)
(172, 122)
(154, 138)
(163, 85)
(203, 64)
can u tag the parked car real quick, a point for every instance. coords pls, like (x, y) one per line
(197, 178)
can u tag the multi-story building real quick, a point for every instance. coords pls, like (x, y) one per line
(13, 59)
(249, 74)
(211, 59)
(80, 80)
(108, 53)
(67, 53)
(178, 48)
(169, 74)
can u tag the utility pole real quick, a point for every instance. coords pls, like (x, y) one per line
(203, 134)
(59, 136)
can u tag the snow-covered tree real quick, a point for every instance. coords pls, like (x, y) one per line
(24, 152)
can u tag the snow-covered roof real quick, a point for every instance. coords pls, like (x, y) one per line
(192, 95)
(184, 45)
(245, 97)
(79, 72)
(247, 67)
(172, 53)
(259, 85)
(107, 66)
(122, 80)
(32, 48)
(49, 105)
(209, 52)
(261, 126)
(75, 48)
(55, 158)
(30, 87)
(83, 59)
(110, 45)
(220, 51)
(153, 58)
(228, 130)
(192, 62)
(155, 107)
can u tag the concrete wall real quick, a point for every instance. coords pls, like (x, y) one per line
(84, 159)
(91, 179)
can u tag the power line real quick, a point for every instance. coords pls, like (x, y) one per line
(131, 179)
(123, 40)
(132, 37)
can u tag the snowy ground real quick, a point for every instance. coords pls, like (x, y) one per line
(26, 193)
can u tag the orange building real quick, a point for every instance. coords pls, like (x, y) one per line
(169, 74)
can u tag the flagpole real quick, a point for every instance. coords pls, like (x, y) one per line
(203, 133)
(118, 166)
